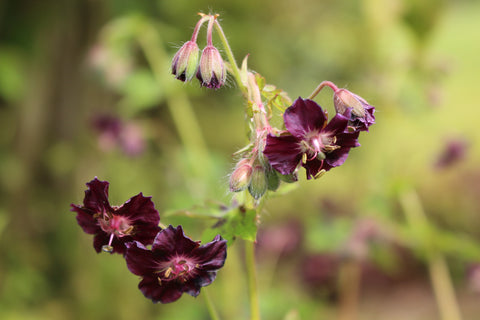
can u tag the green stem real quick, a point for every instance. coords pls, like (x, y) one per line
(231, 58)
(252, 280)
(437, 266)
(210, 306)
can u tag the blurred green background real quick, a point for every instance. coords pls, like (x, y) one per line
(86, 90)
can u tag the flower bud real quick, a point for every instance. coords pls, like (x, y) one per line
(241, 176)
(258, 184)
(273, 180)
(361, 113)
(185, 61)
(211, 71)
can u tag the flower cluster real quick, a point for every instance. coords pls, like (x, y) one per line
(209, 68)
(314, 142)
(174, 265)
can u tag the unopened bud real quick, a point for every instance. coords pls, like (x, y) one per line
(273, 180)
(241, 176)
(258, 184)
(361, 113)
(185, 61)
(344, 99)
(211, 71)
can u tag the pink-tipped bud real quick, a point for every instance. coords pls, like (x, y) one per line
(185, 61)
(211, 71)
(361, 113)
(241, 176)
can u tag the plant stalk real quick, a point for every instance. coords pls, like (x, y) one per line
(437, 266)
(252, 280)
(210, 306)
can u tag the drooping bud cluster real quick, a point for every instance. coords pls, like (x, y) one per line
(209, 68)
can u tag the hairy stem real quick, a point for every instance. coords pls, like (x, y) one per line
(321, 86)
(233, 63)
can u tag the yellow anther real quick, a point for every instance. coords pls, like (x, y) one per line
(320, 173)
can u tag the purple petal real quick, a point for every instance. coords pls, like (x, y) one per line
(140, 260)
(101, 239)
(167, 292)
(337, 157)
(337, 124)
(85, 220)
(172, 240)
(283, 153)
(313, 167)
(96, 197)
(348, 140)
(202, 279)
(139, 208)
(212, 255)
(145, 232)
(118, 244)
(144, 217)
(304, 116)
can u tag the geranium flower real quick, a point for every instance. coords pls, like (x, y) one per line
(310, 140)
(137, 219)
(175, 264)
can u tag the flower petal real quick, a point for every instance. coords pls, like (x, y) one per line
(202, 279)
(140, 260)
(283, 153)
(85, 220)
(140, 208)
(165, 293)
(348, 139)
(173, 241)
(212, 255)
(337, 124)
(313, 167)
(337, 157)
(96, 197)
(304, 116)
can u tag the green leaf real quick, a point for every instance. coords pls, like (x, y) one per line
(239, 222)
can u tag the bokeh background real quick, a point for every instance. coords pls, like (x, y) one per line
(85, 91)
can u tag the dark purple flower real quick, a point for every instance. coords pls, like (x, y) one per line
(317, 145)
(175, 264)
(361, 113)
(137, 219)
